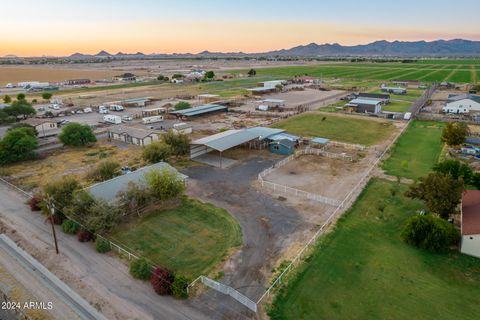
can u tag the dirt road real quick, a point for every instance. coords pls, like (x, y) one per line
(102, 280)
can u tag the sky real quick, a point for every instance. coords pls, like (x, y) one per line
(56, 27)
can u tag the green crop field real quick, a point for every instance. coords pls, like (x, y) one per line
(416, 151)
(435, 71)
(340, 128)
(363, 270)
(189, 239)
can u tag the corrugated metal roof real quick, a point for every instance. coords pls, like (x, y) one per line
(283, 136)
(108, 190)
(264, 133)
(365, 101)
(320, 140)
(200, 110)
(226, 140)
(274, 100)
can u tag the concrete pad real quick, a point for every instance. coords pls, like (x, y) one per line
(215, 160)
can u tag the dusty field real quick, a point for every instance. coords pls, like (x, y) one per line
(331, 178)
(10, 74)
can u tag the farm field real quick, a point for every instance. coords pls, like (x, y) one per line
(338, 127)
(460, 71)
(411, 95)
(416, 151)
(363, 270)
(190, 239)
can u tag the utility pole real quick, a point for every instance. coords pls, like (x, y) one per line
(51, 208)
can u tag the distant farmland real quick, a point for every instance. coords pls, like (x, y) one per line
(459, 71)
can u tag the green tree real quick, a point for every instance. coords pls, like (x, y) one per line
(134, 197)
(102, 245)
(46, 95)
(455, 133)
(178, 142)
(252, 72)
(7, 99)
(429, 232)
(156, 152)
(182, 105)
(76, 134)
(179, 287)
(70, 227)
(161, 77)
(456, 169)
(17, 145)
(21, 96)
(164, 184)
(102, 217)
(62, 191)
(105, 170)
(440, 192)
(209, 75)
(33, 131)
(20, 108)
(140, 269)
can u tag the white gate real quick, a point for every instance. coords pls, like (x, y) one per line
(220, 287)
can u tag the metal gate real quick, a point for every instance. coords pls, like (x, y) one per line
(220, 287)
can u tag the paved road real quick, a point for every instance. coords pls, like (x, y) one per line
(101, 276)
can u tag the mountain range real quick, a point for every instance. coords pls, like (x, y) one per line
(383, 48)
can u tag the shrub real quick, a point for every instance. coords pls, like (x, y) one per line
(76, 134)
(84, 235)
(179, 143)
(105, 170)
(164, 184)
(162, 281)
(56, 218)
(102, 245)
(62, 191)
(156, 152)
(140, 269)
(35, 203)
(182, 105)
(179, 287)
(70, 227)
(429, 232)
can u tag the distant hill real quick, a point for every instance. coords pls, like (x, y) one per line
(457, 47)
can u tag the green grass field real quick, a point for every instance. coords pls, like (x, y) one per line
(462, 71)
(190, 239)
(340, 128)
(397, 106)
(363, 270)
(416, 151)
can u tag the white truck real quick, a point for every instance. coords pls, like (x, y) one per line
(153, 119)
(102, 110)
(116, 107)
(113, 119)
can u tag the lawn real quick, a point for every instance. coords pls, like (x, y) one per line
(411, 95)
(363, 270)
(350, 129)
(397, 106)
(190, 239)
(416, 151)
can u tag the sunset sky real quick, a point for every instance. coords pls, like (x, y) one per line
(55, 27)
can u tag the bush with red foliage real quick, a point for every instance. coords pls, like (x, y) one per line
(84, 235)
(162, 281)
(34, 203)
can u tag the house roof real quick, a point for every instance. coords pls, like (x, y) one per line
(283, 136)
(208, 95)
(374, 95)
(471, 212)
(200, 110)
(133, 132)
(37, 122)
(225, 140)
(458, 97)
(108, 190)
(261, 89)
(273, 100)
(264, 133)
(472, 140)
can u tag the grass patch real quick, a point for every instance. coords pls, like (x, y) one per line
(416, 151)
(397, 106)
(339, 128)
(363, 270)
(189, 239)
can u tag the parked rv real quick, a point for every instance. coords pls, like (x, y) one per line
(102, 110)
(153, 119)
(116, 107)
(110, 118)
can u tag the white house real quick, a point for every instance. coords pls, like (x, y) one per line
(44, 127)
(471, 223)
(132, 135)
(463, 103)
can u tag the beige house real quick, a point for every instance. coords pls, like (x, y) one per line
(139, 137)
(44, 127)
(471, 223)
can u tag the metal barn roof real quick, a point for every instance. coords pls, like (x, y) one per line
(200, 110)
(108, 190)
(365, 101)
(283, 136)
(226, 140)
(264, 133)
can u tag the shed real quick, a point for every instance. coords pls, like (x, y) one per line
(365, 105)
(319, 141)
(284, 136)
(200, 110)
(109, 190)
(283, 147)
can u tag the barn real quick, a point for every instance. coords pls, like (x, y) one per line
(470, 225)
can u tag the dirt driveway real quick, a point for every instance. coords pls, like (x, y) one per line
(269, 227)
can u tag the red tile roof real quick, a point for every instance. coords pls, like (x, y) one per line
(471, 212)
